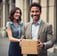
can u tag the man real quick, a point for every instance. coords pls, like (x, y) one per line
(39, 30)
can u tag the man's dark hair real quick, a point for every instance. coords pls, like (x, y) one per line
(36, 5)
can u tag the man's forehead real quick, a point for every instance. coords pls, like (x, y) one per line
(34, 7)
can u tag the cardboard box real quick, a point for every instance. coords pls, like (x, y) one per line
(29, 47)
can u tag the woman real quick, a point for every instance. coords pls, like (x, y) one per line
(14, 30)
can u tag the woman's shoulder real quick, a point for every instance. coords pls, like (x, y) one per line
(9, 22)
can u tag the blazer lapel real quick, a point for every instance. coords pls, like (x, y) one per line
(40, 29)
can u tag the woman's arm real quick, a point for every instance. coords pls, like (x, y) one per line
(11, 38)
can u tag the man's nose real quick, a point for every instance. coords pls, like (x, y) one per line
(34, 13)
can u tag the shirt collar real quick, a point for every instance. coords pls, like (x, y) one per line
(38, 23)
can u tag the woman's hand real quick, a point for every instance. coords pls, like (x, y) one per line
(20, 40)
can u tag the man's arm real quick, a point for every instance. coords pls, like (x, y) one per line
(50, 38)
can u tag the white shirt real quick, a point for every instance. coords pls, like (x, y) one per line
(35, 29)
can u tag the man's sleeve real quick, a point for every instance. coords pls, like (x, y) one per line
(50, 38)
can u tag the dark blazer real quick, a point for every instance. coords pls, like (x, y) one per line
(44, 34)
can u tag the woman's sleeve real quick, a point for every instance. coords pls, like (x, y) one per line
(8, 24)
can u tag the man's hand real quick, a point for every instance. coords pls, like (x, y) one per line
(40, 45)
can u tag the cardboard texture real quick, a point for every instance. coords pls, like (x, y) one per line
(29, 47)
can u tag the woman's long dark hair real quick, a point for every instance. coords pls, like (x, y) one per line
(12, 13)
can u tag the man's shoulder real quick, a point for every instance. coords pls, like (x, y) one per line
(45, 23)
(27, 24)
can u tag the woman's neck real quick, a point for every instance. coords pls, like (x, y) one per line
(15, 21)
